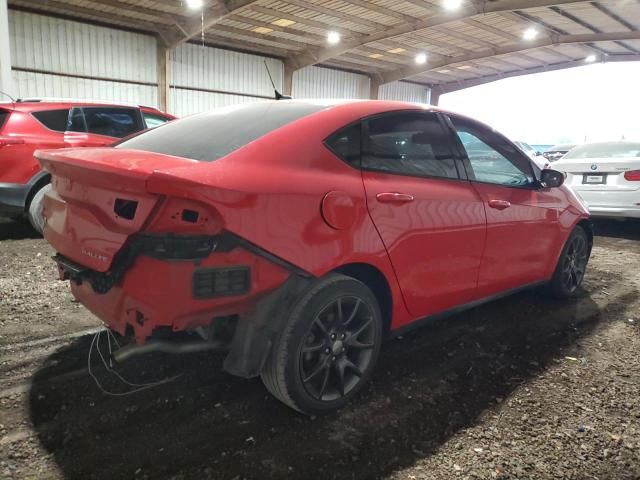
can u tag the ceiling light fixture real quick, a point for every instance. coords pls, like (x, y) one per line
(397, 50)
(590, 59)
(283, 22)
(262, 30)
(333, 38)
(530, 33)
(375, 55)
(194, 4)
(452, 4)
(421, 58)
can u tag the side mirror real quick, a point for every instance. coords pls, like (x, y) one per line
(551, 178)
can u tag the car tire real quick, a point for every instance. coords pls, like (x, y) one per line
(569, 272)
(328, 348)
(34, 211)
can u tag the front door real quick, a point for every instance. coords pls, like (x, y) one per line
(522, 219)
(431, 220)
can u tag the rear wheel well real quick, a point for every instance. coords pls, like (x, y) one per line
(44, 180)
(377, 283)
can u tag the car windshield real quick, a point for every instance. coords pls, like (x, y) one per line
(606, 150)
(212, 135)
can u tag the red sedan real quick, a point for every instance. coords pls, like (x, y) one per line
(299, 235)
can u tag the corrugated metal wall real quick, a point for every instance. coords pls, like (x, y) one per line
(204, 78)
(56, 46)
(407, 92)
(320, 82)
(52, 57)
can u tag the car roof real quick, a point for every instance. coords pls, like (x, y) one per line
(34, 105)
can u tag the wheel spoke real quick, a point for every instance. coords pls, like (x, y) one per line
(322, 363)
(313, 348)
(321, 326)
(325, 380)
(362, 328)
(353, 367)
(353, 312)
(339, 311)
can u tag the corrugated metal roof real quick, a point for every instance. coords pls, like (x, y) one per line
(301, 27)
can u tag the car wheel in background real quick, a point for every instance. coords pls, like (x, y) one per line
(34, 212)
(572, 264)
(328, 348)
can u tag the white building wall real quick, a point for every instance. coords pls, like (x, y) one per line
(53, 57)
(320, 82)
(404, 91)
(204, 78)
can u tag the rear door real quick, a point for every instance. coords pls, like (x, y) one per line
(101, 126)
(431, 220)
(522, 220)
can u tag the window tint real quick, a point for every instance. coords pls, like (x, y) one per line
(346, 144)
(493, 159)
(408, 144)
(4, 116)
(212, 135)
(76, 121)
(111, 122)
(152, 121)
(53, 119)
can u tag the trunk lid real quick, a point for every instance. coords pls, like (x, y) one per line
(598, 174)
(99, 198)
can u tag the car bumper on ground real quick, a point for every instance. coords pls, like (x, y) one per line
(13, 197)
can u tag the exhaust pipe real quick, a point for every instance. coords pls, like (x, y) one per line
(133, 350)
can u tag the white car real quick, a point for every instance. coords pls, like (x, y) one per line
(533, 154)
(607, 177)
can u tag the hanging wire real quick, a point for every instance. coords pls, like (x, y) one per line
(137, 387)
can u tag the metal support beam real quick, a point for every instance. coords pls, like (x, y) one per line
(487, 54)
(287, 79)
(313, 55)
(5, 52)
(163, 69)
(374, 87)
(434, 97)
(209, 17)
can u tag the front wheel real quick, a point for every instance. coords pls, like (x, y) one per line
(571, 266)
(328, 348)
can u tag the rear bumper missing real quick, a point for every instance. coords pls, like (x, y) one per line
(177, 282)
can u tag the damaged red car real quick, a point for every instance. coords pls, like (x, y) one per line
(298, 235)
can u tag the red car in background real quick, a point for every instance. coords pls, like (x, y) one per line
(28, 125)
(298, 235)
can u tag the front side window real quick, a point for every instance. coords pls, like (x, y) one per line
(492, 158)
(55, 120)
(111, 122)
(151, 120)
(408, 143)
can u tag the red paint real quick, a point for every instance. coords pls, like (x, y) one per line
(439, 243)
(21, 135)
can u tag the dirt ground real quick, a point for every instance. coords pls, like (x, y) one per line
(525, 387)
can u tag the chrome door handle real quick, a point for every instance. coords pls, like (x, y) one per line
(499, 204)
(394, 197)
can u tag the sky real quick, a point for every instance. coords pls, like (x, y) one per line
(591, 103)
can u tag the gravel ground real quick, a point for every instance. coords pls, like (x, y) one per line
(525, 387)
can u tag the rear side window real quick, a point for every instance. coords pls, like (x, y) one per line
(111, 122)
(152, 121)
(212, 135)
(408, 143)
(4, 116)
(346, 144)
(53, 119)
